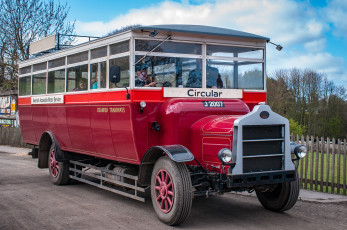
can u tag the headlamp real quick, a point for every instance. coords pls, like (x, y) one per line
(225, 155)
(299, 150)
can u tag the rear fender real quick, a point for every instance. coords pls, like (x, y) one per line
(46, 140)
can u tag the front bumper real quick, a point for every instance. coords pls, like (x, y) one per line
(255, 179)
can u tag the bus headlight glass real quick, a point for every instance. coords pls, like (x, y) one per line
(300, 151)
(225, 155)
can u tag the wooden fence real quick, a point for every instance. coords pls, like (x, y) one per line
(12, 136)
(324, 167)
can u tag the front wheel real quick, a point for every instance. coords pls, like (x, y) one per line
(171, 191)
(58, 171)
(281, 198)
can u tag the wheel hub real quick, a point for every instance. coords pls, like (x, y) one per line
(54, 165)
(164, 191)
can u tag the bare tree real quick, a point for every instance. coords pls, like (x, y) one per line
(310, 99)
(23, 22)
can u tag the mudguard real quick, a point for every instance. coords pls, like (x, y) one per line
(46, 140)
(177, 153)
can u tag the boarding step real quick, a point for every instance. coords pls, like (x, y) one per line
(119, 180)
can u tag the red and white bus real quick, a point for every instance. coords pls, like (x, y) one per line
(179, 110)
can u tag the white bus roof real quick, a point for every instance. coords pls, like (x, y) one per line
(198, 29)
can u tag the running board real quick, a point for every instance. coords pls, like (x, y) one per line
(105, 179)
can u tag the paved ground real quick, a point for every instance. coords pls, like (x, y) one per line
(28, 200)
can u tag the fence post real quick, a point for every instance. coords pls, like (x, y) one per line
(309, 152)
(322, 165)
(327, 165)
(338, 165)
(344, 165)
(316, 163)
(311, 164)
(333, 167)
(301, 162)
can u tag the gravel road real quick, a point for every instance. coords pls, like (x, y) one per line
(28, 200)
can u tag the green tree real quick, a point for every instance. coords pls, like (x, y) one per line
(295, 128)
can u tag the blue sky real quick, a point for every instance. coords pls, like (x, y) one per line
(313, 33)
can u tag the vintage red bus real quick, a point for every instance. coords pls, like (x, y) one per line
(178, 110)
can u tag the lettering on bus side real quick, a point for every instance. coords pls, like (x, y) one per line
(195, 93)
(117, 110)
(57, 99)
(112, 110)
(102, 110)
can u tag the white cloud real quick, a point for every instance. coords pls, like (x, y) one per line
(315, 45)
(336, 14)
(285, 21)
(289, 23)
(322, 62)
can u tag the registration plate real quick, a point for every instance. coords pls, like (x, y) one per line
(213, 104)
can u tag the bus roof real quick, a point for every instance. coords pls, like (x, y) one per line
(199, 29)
(178, 28)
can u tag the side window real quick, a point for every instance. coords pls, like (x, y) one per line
(24, 86)
(119, 72)
(250, 75)
(56, 81)
(77, 78)
(98, 75)
(25, 70)
(39, 83)
(120, 47)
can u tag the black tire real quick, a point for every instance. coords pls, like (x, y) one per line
(58, 171)
(282, 198)
(181, 191)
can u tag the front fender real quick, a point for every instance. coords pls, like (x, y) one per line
(177, 153)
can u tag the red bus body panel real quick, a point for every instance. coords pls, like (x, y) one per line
(107, 125)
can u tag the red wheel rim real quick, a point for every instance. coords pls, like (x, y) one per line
(54, 166)
(164, 191)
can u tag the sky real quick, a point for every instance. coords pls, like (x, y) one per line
(313, 33)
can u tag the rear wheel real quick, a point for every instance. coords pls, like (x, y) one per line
(171, 191)
(58, 171)
(281, 198)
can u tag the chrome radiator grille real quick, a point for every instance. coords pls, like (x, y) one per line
(263, 148)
